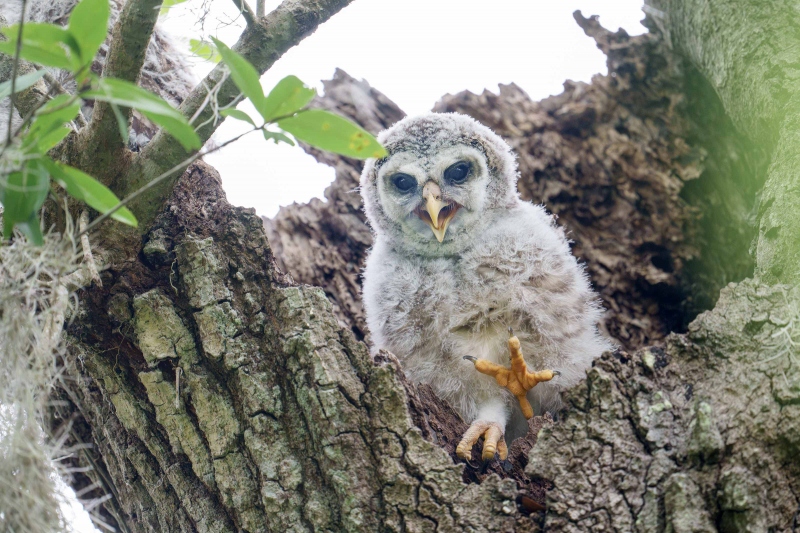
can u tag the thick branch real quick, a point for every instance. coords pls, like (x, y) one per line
(262, 45)
(246, 11)
(102, 142)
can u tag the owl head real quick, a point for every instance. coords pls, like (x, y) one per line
(445, 179)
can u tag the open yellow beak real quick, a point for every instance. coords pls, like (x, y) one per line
(437, 214)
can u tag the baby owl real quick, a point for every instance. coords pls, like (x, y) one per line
(459, 259)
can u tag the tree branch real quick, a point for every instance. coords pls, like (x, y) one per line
(262, 45)
(246, 11)
(102, 142)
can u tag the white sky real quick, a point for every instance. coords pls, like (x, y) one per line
(414, 51)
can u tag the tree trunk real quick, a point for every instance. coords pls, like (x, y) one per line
(221, 396)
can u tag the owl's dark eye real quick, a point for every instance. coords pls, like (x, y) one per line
(457, 173)
(404, 182)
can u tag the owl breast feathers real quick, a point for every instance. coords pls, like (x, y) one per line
(459, 258)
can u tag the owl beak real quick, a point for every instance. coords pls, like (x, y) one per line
(436, 213)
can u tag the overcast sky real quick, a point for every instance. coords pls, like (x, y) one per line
(414, 51)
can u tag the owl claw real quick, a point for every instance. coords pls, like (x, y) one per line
(493, 441)
(470, 358)
(517, 379)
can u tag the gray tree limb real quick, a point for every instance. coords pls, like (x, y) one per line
(100, 146)
(261, 44)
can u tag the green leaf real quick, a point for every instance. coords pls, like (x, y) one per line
(55, 113)
(277, 137)
(243, 73)
(205, 50)
(332, 133)
(168, 4)
(22, 194)
(88, 24)
(23, 82)
(46, 44)
(127, 94)
(31, 229)
(238, 115)
(82, 186)
(49, 126)
(289, 96)
(47, 142)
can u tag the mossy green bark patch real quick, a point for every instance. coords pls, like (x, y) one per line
(160, 331)
(203, 272)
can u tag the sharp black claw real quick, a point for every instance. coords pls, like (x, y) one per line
(556, 373)
(510, 331)
(472, 465)
(470, 358)
(507, 466)
(485, 465)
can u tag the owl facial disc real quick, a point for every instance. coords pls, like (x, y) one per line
(436, 213)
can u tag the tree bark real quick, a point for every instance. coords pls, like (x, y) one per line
(221, 396)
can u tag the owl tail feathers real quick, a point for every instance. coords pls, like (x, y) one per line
(517, 379)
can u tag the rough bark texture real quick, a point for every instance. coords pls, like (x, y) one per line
(701, 435)
(632, 164)
(283, 422)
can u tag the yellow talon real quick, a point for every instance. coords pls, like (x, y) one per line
(493, 441)
(517, 379)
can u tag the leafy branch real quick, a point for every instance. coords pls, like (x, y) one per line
(26, 169)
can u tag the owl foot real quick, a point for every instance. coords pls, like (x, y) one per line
(517, 379)
(493, 441)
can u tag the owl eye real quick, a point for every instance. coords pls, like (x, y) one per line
(458, 172)
(404, 182)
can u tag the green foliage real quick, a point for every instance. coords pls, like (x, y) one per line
(89, 25)
(25, 181)
(244, 75)
(204, 50)
(22, 194)
(333, 133)
(126, 94)
(168, 4)
(277, 137)
(45, 44)
(26, 170)
(84, 187)
(289, 96)
(22, 83)
(238, 115)
(286, 106)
